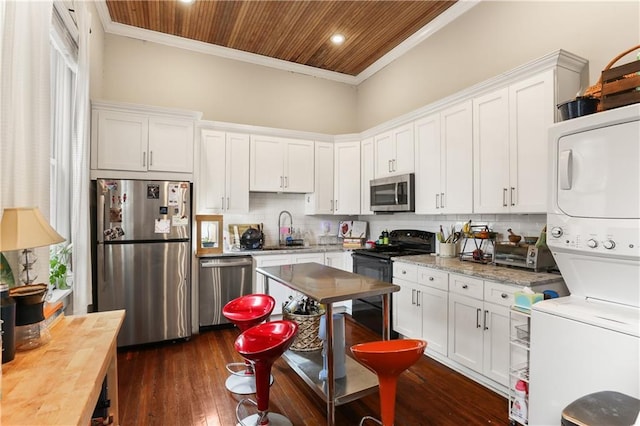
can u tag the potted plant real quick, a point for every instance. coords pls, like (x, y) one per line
(59, 266)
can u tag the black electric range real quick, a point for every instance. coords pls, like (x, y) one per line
(376, 263)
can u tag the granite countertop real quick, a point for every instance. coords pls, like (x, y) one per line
(500, 274)
(280, 250)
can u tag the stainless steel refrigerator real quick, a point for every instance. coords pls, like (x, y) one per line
(143, 246)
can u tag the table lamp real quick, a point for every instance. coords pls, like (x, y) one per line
(23, 229)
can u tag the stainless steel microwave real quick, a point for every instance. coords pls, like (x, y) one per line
(393, 193)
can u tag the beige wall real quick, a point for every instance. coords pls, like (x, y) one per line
(223, 89)
(494, 37)
(491, 38)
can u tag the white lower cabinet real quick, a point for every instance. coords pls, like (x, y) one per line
(280, 292)
(479, 326)
(464, 320)
(420, 307)
(340, 260)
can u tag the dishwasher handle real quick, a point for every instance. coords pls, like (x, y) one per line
(223, 263)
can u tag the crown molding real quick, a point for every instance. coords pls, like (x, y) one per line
(461, 7)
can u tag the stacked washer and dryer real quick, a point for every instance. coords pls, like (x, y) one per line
(589, 342)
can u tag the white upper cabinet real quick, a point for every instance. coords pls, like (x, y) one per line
(170, 144)
(135, 141)
(366, 174)
(532, 109)
(347, 178)
(281, 164)
(321, 200)
(122, 140)
(394, 152)
(222, 182)
(444, 151)
(510, 146)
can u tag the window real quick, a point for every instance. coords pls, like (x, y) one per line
(64, 54)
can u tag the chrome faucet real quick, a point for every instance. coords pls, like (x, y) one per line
(280, 224)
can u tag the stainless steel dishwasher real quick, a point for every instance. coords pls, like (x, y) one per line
(221, 279)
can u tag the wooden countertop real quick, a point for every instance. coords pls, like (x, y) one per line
(59, 383)
(500, 274)
(326, 284)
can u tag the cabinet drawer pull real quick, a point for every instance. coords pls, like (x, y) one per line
(464, 286)
(404, 272)
(478, 318)
(431, 278)
(504, 295)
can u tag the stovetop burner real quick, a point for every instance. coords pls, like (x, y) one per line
(403, 242)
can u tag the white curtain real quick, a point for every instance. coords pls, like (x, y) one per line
(25, 111)
(80, 225)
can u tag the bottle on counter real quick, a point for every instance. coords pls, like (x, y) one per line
(385, 237)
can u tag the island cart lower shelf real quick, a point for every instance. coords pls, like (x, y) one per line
(358, 382)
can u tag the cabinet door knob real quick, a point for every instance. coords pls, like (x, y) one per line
(464, 286)
(504, 295)
(431, 278)
(404, 272)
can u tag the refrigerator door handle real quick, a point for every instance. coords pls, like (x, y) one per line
(100, 208)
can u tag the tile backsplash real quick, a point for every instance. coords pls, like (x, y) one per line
(265, 207)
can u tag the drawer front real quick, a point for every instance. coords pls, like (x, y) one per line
(467, 286)
(433, 278)
(500, 294)
(405, 271)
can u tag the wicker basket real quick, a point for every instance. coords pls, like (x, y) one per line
(307, 339)
(617, 86)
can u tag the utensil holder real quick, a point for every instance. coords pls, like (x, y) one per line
(448, 250)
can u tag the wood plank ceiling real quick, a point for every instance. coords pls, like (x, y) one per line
(295, 31)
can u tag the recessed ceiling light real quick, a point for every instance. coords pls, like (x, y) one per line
(186, 1)
(337, 39)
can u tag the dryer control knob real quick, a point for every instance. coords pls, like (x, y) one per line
(609, 244)
(592, 243)
(556, 232)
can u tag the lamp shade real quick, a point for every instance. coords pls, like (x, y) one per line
(25, 227)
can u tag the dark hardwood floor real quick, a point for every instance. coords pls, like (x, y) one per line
(182, 383)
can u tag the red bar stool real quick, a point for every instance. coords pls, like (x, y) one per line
(262, 345)
(388, 358)
(245, 312)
